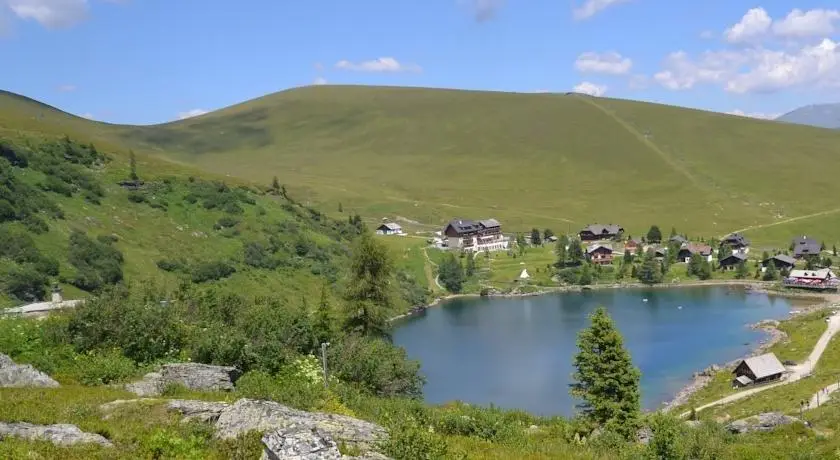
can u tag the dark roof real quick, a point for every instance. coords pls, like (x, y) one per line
(695, 248)
(734, 258)
(489, 223)
(390, 226)
(805, 246)
(784, 258)
(595, 247)
(736, 239)
(600, 229)
(679, 239)
(462, 226)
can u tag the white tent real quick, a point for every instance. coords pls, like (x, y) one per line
(524, 275)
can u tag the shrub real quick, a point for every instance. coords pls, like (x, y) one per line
(407, 440)
(102, 368)
(226, 222)
(258, 255)
(25, 283)
(136, 197)
(211, 271)
(171, 265)
(382, 368)
(97, 264)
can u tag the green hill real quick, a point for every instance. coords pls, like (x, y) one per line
(544, 160)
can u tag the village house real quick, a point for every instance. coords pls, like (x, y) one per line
(633, 245)
(475, 236)
(678, 239)
(732, 261)
(596, 232)
(601, 254)
(812, 279)
(389, 228)
(805, 246)
(704, 250)
(780, 261)
(758, 369)
(737, 243)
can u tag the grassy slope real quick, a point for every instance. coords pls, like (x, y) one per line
(529, 159)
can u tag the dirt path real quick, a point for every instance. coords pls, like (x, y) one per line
(796, 372)
(784, 221)
(431, 278)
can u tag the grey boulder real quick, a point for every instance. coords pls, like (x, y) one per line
(193, 376)
(22, 375)
(761, 422)
(299, 444)
(61, 434)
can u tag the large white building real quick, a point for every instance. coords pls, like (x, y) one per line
(481, 235)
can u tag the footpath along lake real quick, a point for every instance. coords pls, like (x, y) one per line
(517, 353)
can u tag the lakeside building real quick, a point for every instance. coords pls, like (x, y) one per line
(737, 242)
(689, 249)
(758, 369)
(475, 236)
(595, 232)
(600, 254)
(732, 261)
(780, 261)
(389, 228)
(812, 279)
(804, 246)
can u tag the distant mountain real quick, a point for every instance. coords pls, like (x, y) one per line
(819, 115)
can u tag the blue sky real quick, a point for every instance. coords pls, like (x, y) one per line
(148, 61)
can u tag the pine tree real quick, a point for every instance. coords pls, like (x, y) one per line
(605, 378)
(771, 273)
(834, 250)
(451, 274)
(561, 250)
(547, 233)
(654, 235)
(673, 232)
(132, 165)
(536, 239)
(340, 208)
(369, 296)
(585, 278)
(470, 270)
(275, 185)
(628, 257)
(742, 271)
(822, 246)
(575, 254)
(651, 271)
(323, 324)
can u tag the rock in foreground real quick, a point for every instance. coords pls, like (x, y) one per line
(22, 375)
(761, 422)
(61, 435)
(193, 376)
(299, 444)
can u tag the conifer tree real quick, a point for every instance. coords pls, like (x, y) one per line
(771, 273)
(470, 270)
(654, 235)
(536, 239)
(742, 271)
(561, 251)
(275, 185)
(451, 273)
(585, 278)
(132, 164)
(605, 379)
(575, 253)
(323, 324)
(369, 296)
(651, 271)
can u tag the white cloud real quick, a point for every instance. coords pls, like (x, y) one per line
(757, 25)
(753, 26)
(191, 113)
(589, 88)
(759, 115)
(755, 69)
(383, 64)
(590, 8)
(52, 14)
(319, 81)
(67, 88)
(610, 63)
(813, 23)
(484, 10)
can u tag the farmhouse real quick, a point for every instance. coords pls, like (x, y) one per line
(812, 279)
(732, 261)
(389, 228)
(780, 261)
(596, 232)
(805, 246)
(601, 254)
(758, 369)
(704, 250)
(679, 239)
(474, 236)
(633, 245)
(737, 242)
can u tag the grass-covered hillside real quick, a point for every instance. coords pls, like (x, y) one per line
(544, 160)
(76, 215)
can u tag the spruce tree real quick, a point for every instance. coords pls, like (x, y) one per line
(132, 164)
(323, 324)
(585, 278)
(605, 379)
(369, 296)
(536, 239)
(742, 271)
(771, 273)
(275, 185)
(451, 274)
(651, 271)
(470, 270)
(561, 251)
(654, 235)
(340, 208)
(628, 257)
(575, 254)
(834, 250)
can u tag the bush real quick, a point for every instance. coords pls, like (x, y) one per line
(211, 271)
(286, 388)
(226, 222)
(102, 368)
(259, 255)
(380, 367)
(136, 197)
(25, 283)
(408, 440)
(169, 265)
(97, 264)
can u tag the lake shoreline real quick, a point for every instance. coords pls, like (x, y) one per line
(703, 377)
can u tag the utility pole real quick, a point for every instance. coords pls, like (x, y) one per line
(324, 346)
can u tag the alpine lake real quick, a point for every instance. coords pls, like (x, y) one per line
(516, 353)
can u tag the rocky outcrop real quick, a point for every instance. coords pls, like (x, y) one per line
(299, 444)
(62, 434)
(762, 422)
(22, 375)
(193, 376)
(204, 411)
(254, 415)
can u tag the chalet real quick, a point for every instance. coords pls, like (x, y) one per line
(780, 261)
(389, 228)
(732, 261)
(812, 279)
(805, 246)
(596, 232)
(633, 245)
(758, 369)
(475, 236)
(601, 254)
(679, 239)
(737, 242)
(688, 250)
